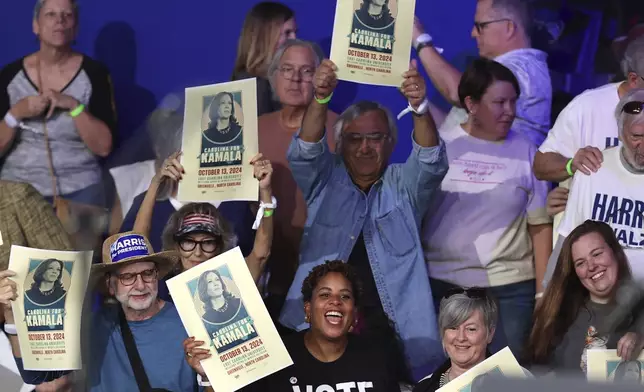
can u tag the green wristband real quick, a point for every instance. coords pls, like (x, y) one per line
(324, 100)
(569, 168)
(77, 111)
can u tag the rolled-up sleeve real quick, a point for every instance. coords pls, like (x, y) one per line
(423, 173)
(311, 165)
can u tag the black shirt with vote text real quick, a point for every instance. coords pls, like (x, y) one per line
(362, 368)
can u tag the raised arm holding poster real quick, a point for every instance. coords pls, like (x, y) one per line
(372, 40)
(219, 304)
(502, 363)
(219, 139)
(51, 289)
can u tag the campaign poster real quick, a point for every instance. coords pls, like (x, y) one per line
(503, 363)
(219, 303)
(219, 140)
(607, 366)
(51, 290)
(372, 40)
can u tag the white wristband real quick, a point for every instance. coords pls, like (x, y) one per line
(11, 329)
(11, 121)
(260, 212)
(201, 382)
(422, 109)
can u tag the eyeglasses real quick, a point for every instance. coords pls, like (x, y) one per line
(128, 279)
(633, 107)
(207, 246)
(305, 73)
(373, 139)
(481, 25)
(473, 292)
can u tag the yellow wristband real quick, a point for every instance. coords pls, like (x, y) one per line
(323, 100)
(268, 213)
(77, 111)
(569, 168)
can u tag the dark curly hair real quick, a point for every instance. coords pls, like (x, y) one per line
(319, 272)
(42, 268)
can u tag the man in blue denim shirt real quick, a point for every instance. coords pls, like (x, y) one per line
(366, 212)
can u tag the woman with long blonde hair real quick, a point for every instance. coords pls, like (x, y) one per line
(266, 27)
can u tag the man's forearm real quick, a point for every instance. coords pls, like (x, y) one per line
(314, 122)
(550, 166)
(425, 133)
(442, 74)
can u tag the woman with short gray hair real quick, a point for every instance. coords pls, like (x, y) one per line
(467, 321)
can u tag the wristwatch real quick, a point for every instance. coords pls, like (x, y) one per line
(423, 40)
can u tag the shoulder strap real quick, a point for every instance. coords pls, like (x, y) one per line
(133, 354)
(50, 159)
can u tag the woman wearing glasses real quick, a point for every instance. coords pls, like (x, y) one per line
(613, 193)
(489, 226)
(577, 312)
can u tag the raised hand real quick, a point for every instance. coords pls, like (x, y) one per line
(8, 288)
(171, 169)
(195, 355)
(262, 170)
(325, 79)
(413, 86)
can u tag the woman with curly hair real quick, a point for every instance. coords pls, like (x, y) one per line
(328, 353)
(577, 310)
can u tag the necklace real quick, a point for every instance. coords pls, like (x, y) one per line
(48, 292)
(225, 130)
(444, 378)
(223, 308)
(376, 17)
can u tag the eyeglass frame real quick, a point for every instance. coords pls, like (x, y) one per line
(153, 277)
(373, 138)
(198, 243)
(282, 69)
(480, 26)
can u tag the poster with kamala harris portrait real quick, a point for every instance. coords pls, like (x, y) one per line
(219, 140)
(372, 40)
(51, 288)
(219, 304)
(607, 366)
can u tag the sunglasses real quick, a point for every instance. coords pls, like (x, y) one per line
(634, 107)
(473, 292)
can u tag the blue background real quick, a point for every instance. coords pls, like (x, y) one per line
(153, 48)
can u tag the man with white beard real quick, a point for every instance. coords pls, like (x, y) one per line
(130, 273)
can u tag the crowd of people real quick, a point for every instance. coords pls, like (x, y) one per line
(499, 230)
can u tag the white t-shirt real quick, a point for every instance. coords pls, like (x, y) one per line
(615, 196)
(530, 68)
(588, 120)
(476, 231)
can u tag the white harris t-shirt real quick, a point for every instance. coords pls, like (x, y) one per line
(615, 196)
(530, 68)
(588, 120)
(475, 233)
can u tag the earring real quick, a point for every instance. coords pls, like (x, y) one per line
(351, 328)
(307, 319)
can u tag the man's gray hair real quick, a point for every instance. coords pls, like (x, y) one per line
(41, 3)
(633, 60)
(358, 109)
(518, 10)
(624, 119)
(318, 55)
(457, 308)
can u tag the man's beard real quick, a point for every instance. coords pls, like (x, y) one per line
(126, 300)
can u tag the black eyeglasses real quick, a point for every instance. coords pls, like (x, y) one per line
(128, 279)
(481, 25)
(373, 139)
(633, 107)
(207, 246)
(472, 292)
